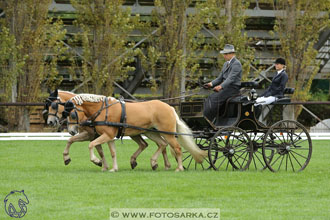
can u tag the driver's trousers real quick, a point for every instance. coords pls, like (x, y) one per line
(214, 104)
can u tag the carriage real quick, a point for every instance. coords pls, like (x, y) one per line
(242, 138)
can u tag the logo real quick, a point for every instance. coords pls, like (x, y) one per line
(15, 204)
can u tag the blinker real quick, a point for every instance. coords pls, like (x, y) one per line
(74, 115)
(54, 105)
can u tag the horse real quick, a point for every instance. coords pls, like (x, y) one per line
(55, 106)
(75, 120)
(143, 115)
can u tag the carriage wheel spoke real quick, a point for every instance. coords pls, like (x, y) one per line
(236, 160)
(286, 163)
(261, 161)
(299, 155)
(186, 157)
(224, 159)
(190, 162)
(276, 160)
(278, 137)
(291, 162)
(227, 164)
(295, 159)
(298, 136)
(279, 167)
(301, 141)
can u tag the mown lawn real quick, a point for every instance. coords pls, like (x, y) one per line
(81, 191)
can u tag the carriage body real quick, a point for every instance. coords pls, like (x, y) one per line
(240, 139)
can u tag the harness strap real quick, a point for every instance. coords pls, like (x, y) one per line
(124, 125)
(106, 108)
(121, 129)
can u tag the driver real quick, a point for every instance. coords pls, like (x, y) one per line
(226, 85)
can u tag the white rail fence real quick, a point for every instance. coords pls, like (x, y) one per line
(49, 136)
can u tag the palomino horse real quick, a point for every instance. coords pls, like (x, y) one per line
(77, 117)
(146, 115)
(87, 133)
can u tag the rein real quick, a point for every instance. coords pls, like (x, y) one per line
(124, 125)
(180, 97)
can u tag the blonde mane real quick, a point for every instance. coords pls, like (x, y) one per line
(81, 98)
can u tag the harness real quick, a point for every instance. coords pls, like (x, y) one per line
(122, 125)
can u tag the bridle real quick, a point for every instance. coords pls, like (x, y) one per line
(73, 114)
(53, 103)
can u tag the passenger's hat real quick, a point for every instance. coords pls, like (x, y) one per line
(280, 61)
(228, 49)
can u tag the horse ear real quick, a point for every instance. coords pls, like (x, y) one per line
(53, 95)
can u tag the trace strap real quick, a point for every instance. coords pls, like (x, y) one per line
(124, 125)
(121, 129)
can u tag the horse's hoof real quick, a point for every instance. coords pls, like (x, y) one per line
(113, 170)
(98, 163)
(133, 164)
(104, 169)
(66, 162)
(154, 167)
(178, 170)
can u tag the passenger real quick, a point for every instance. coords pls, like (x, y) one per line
(226, 85)
(277, 86)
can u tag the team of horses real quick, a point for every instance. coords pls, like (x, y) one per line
(156, 120)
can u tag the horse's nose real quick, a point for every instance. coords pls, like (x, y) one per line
(50, 123)
(72, 133)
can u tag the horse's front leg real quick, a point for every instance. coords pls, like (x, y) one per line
(142, 145)
(104, 161)
(112, 148)
(98, 141)
(83, 136)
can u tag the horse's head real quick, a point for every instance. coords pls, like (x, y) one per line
(53, 109)
(74, 117)
(54, 106)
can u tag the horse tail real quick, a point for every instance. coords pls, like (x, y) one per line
(187, 142)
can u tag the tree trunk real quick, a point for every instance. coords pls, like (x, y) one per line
(24, 120)
(228, 9)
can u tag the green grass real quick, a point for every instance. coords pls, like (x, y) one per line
(81, 191)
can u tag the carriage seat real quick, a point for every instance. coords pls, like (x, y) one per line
(286, 99)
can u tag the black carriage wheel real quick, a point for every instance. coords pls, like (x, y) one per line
(290, 144)
(257, 162)
(230, 149)
(190, 163)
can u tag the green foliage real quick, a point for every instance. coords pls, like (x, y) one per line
(104, 30)
(169, 47)
(298, 33)
(31, 48)
(8, 53)
(227, 20)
